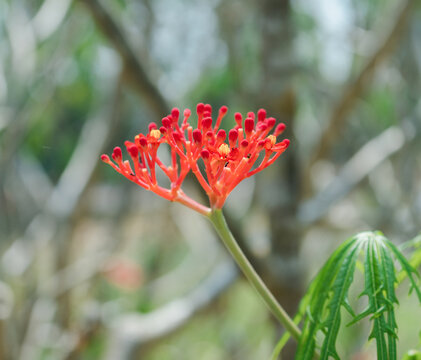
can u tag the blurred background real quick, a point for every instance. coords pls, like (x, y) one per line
(93, 267)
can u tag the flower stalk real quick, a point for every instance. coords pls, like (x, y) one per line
(220, 225)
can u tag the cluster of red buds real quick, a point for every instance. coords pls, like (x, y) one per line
(225, 163)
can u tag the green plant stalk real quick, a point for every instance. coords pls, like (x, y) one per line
(218, 221)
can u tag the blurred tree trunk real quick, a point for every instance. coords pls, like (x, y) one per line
(281, 269)
(278, 187)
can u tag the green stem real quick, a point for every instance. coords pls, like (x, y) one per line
(218, 221)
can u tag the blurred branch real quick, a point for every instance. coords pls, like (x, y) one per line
(35, 179)
(356, 169)
(135, 73)
(61, 204)
(41, 86)
(49, 17)
(130, 331)
(94, 138)
(203, 252)
(66, 195)
(95, 135)
(7, 303)
(45, 307)
(84, 340)
(75, 274)
(357, 87)
(201, 270)
(203, 256)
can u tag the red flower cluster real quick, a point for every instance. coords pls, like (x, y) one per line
(225, 164)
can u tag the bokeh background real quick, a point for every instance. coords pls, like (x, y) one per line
(93, 267)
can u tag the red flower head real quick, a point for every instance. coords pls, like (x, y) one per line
(226, 162)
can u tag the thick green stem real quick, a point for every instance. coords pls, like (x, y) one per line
(218, 221)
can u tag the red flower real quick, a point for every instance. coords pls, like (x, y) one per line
(225, 163)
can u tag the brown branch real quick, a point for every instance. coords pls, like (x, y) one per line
(356, 88)
(135, 73)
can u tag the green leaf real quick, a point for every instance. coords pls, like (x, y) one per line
(389, 280)
(406, 266)
(318, 294)
(328, 293)
(339, 298)
(379, 287)
(374, 291)
(415, 259)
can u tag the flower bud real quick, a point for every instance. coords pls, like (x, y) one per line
(222, 135)
(279, 129)
(238, 119)
(197, 136)
(261, 115)
(133, 151)
(200, 108)
(232, 137)
(207, 123)
(248, 125)
(117, 154)
(205, 154)
(175, 113)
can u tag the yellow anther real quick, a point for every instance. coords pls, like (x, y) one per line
(272, 139)
(155, 133)
(224, 150)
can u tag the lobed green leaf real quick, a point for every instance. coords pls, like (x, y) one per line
(319, 293)
(328, 293)
(406, 267)
(338, 299)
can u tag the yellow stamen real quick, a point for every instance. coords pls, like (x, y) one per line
(155, 133)
(224, 150)
(272, 139)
